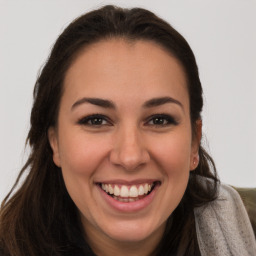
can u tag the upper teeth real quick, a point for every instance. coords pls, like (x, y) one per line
(127, 191)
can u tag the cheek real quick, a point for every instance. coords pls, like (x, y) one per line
(80, 158)
(80, 154)
(173, 157)
(173, 153)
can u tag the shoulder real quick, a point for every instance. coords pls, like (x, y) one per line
(223, 226)
(248, 196)
(229, 201)
(227, 209)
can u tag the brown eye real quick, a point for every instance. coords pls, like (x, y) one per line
(94, 120)
(159, 120)
(162, 120)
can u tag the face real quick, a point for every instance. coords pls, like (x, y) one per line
(123, 139)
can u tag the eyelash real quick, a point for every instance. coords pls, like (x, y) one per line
(94, 117)
(164, 119)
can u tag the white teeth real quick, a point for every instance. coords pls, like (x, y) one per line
(141, 190)
(116, 190)
(124, 191)
(146, 188)
(133, 191)
(110, 189)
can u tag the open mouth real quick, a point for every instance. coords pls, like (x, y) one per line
(130, 193)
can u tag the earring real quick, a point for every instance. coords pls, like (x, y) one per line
(196, 160)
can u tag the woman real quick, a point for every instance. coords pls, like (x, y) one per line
(116, 164)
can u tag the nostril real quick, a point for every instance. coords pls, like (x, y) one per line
(130, 159)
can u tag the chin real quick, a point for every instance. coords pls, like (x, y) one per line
(133, 232)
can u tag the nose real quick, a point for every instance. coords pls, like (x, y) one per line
(129, 150)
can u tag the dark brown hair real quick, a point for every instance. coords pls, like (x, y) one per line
(40, 218)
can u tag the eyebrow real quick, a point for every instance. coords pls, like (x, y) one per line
(95, 101)
(155, 102)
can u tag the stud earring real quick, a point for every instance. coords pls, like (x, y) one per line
(196, 160)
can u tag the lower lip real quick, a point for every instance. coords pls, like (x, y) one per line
(129, 206)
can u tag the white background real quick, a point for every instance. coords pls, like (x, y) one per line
(222, 34)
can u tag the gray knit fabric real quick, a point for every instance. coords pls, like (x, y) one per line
(223, 226)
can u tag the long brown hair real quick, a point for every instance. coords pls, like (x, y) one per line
(40, 217)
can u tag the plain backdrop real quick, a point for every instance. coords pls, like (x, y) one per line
(221, 33)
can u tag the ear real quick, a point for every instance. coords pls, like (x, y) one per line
(194, 157)
(53, 140)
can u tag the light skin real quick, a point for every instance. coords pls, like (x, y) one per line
(142, 131)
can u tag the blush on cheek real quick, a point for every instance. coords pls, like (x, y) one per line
(78, 166)
(78, 159)
(175, 159)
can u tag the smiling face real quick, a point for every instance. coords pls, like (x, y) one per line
(123, 139)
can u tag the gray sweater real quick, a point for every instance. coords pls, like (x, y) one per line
(223, 226)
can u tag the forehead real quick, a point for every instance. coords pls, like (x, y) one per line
(118, 67)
